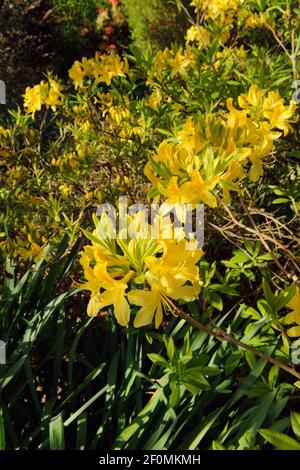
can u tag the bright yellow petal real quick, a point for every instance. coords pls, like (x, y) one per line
(294, 331)
(94, 306)
(144, 316)
(122, 309)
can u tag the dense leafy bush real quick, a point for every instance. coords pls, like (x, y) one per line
(26, 44)
(155, 23)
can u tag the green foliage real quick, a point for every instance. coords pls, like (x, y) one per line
(73, 26)
(83, 383)
(154, 23)
(282, 441)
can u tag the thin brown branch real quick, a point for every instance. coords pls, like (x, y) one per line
(224, 336)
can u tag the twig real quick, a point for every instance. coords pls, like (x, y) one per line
(224, 336)
(279, 265)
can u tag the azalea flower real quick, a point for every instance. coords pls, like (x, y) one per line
(164, 269)
(294, 315)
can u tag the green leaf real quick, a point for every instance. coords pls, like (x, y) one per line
(81, 431)
(279, 440)
(2, 433)
(269, 296)
(217, 446)
(171, 348)
(280, 200)
(295, 420)
(158, 359)
(175, 396)
(194, 381)
(56, 433)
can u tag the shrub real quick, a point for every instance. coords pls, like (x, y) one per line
(156, 23)
(26, 44)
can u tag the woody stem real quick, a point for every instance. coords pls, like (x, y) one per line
(224, 336)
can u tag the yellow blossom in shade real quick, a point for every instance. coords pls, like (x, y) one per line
(154, 99)
(101, 69)
(65, 190)
(34, 97)
(48, 94)
(217, 8)
(179, 64)
(252, 21)
(35, 251)
(54, 95)
(199, 35)
(294, 315)
(77, 74)
(162, 59)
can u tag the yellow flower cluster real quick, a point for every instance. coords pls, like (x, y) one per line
(139, 270)
(178, 61)
(215, 150)
(198, 34)
(259, 20)
(216, 8)
(101, 69)
(45, 93)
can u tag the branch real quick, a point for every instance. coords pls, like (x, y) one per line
(224, 336)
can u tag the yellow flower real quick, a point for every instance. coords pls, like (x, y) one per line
(162, 59)
(254, 98)
(271, 107)
(65, 190)
(294, 316)
(280, 116)
(252, 21)
(217, 8)
(48, 94)
(34, 97)
(152, 306)
(235, 118)
(235, 171)
(77, 74)
(54, 96)
(102, 69)
(35, 251)
(191, 192)
(114, 291)
(166, 270)
(174, 268)
(179, 64)
(198, 34)
(167, 277)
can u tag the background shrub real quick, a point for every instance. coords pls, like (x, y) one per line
(155, 22)
(26, 44)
